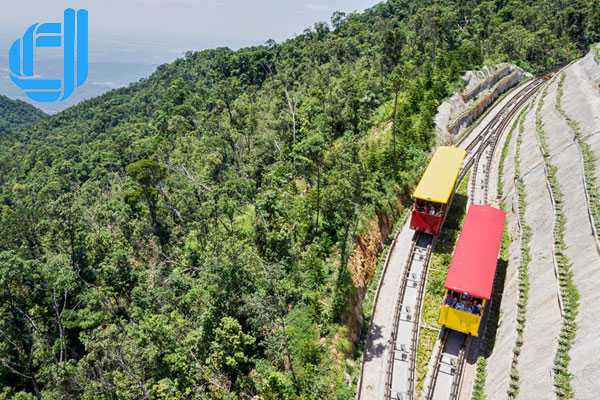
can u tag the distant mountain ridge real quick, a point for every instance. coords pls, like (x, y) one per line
(15, 114)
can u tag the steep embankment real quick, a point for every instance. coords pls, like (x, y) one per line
(482, 88)
(582, 247)
(543, 316)
(559, 152)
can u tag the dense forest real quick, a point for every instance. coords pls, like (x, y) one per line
(15, 114)
(187, 237)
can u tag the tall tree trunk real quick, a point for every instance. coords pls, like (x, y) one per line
(288, 357)
(318, 195)
(394, 114)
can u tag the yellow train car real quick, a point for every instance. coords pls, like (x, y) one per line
(472, 271)
(434, 192)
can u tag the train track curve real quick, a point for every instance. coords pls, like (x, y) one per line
(482, 161)
(400, 372)
(446, 376)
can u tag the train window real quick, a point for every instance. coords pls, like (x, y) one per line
(434, 209)
(463, 302)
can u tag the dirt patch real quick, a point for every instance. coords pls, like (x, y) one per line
(363, 261)
(363, 265)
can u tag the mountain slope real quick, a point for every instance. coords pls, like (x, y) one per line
(188, 236)
(561, 214)
(16, 113)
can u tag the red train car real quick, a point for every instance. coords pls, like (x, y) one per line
(472, 271)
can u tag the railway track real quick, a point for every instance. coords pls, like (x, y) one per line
(493, 129)
(479, 185)
(446, 379)
(401, 367)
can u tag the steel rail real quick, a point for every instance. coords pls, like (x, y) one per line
(457, 382)
(420, 251)
(482, 139)
(438, 364)
(493, 138)
(489, 137)
(505, 114)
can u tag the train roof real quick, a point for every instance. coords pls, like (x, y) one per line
(439, 179)
(475, 258)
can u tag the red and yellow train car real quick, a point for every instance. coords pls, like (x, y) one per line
(472, 271)
(434, 192)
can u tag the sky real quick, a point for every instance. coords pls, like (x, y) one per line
(129, 38)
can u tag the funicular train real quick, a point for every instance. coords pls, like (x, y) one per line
(434, 193)
(472, 271)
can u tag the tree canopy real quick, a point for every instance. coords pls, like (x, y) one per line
(15, 114)
(187, 237)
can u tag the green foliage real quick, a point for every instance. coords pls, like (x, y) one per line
(15, 114)
(503, 155)
(187, 237)
(480, 377)
(524, 260)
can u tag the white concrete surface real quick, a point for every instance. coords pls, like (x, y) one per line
(543, 318)
(409, 318)
(378, 341)
(582, 101)
(581, 248)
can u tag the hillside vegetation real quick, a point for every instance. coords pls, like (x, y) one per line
(187, 237)
(15, 114)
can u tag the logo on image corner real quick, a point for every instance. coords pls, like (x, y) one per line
(72, 36)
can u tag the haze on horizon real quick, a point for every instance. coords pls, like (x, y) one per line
(129, 38)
